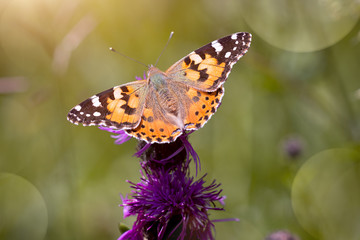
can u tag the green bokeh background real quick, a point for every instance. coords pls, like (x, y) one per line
(298, 84)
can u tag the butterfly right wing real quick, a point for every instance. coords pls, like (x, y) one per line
(208, 67)
(119, 107)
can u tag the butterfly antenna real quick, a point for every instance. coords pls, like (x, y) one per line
(133, 59)
(157, 60)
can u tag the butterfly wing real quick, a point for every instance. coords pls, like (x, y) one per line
(203, 105)
(208, 67)
(120, 107)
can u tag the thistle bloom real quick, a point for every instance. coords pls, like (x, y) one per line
(170, 204)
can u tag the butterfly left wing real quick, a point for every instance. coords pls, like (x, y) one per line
(119, 107)
(208, 67)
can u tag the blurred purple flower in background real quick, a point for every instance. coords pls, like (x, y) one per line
(293, 147)
(282, 235)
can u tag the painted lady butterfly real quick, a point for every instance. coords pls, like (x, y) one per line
(163, 106)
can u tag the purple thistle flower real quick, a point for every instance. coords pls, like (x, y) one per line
(171, 204)
(168, 203)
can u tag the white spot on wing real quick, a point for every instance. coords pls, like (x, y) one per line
(77, 107)
(96, 114)
(234, 36)
(196, 58)
(117, 92)
(227, 55)
(88, 115)
(217, 46)
(96, 102)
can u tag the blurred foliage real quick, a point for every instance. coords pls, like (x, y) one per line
(297, 90)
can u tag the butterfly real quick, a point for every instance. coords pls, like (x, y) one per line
(163, 106)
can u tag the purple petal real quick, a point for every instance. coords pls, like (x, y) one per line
(142, 150)
(222, 200)
(121, 136)
(125, 206)
(141, 78)
(190, 150)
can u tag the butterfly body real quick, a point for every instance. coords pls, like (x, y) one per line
(163, 106)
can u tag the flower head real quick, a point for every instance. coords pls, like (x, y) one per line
(171, 204)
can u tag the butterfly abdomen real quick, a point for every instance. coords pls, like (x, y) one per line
(168, 102)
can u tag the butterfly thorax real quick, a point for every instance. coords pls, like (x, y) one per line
(156, 78)
(165, 96)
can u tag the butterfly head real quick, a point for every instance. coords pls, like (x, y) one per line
(156, 77)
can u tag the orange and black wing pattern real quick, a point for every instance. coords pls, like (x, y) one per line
(119, 107)
(203, 106)
(208, 67)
